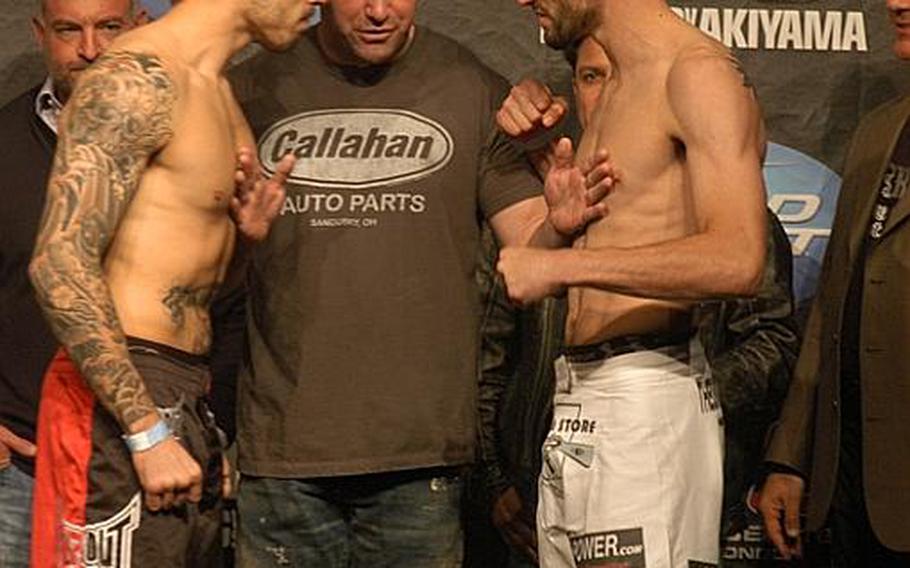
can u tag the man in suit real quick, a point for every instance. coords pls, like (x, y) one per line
(842, 433)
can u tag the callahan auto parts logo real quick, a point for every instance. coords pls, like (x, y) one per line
(357, 148)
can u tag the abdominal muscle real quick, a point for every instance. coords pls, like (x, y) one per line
(596, 316)
(163, 270)
(650, 205)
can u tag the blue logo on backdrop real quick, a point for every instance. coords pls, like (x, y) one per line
(156, 8)
(802, 192)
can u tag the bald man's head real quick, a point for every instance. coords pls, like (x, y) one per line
(73, 33)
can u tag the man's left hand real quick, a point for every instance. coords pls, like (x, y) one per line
(575, 192)
(510, 516)
(228, 478)
(530, 274)
(257, 201)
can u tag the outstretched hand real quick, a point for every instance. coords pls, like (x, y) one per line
(257, 200)
(575, 192)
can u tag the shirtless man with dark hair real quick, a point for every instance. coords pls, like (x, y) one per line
(136, 236)
(633, 463)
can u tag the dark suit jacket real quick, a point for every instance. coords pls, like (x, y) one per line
(26, 342)
(807, 436)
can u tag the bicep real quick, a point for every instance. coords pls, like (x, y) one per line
(120, 114)
(721, 129)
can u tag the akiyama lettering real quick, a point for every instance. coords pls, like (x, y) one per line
(799, 30)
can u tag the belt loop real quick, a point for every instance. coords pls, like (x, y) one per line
(564, 373)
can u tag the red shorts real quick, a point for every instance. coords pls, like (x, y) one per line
(88, 505)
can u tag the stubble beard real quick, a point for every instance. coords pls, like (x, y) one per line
(569, 25)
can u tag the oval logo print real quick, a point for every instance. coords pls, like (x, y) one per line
(357, 148)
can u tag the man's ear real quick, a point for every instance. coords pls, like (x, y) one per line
(141, 17)
(38, 31)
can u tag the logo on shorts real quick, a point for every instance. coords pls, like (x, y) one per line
(105, 544)
(357, 148)
(614, 549)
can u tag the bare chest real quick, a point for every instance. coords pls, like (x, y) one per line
(652, 200)
(197, 166)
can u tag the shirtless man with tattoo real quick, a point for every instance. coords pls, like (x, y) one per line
(137, 234)
(633, 462)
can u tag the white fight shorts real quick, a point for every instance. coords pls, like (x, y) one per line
(632, 471)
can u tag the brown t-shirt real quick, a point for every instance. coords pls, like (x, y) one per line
(363, 320)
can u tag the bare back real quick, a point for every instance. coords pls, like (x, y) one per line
(655, 201)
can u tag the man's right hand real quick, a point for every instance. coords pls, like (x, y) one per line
(779, 503)
(511, 520)
(168, 475)
(529, 109)
(10, 444)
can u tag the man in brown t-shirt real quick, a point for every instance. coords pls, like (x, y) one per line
(356, 409)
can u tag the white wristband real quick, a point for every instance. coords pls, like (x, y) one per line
(147, 439)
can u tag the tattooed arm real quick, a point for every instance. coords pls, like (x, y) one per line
(119, 116)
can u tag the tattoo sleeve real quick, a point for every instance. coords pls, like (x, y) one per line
(119, 115)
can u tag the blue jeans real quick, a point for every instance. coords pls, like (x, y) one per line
(15, 517)
(402, 519)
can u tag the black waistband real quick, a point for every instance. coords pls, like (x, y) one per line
(624, 344)
(139, 345)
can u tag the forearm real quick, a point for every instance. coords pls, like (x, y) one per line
(691, 268)
(78, 306)
(791, 440)
(543, 234)
(527, 224)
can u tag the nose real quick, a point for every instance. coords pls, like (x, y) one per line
(525, 2)
(377, 10)
(88, 45)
